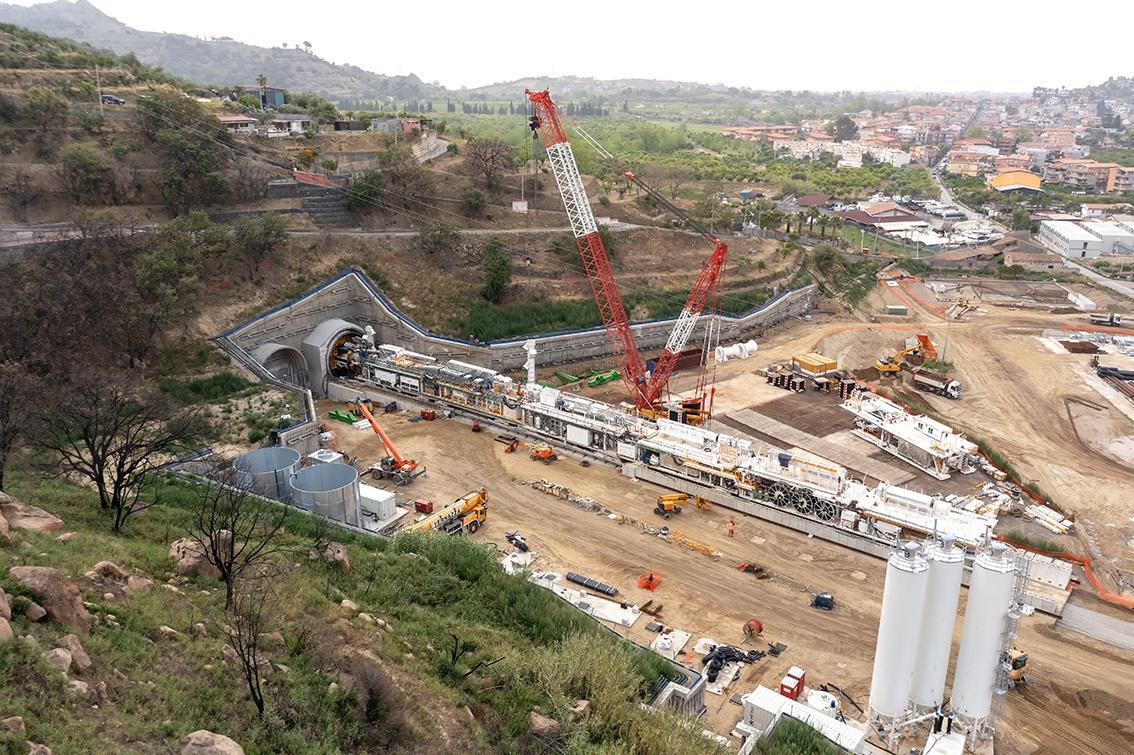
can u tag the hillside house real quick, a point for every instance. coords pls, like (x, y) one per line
(292, 123)
(239, 124)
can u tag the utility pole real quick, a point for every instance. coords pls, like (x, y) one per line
(98, 87)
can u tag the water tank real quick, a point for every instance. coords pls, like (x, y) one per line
(330, 490)
(946, 564)
(267, 471)
(991, 591)
(903, 598)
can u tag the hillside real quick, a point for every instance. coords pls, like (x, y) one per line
(212, 62)
(355, 655)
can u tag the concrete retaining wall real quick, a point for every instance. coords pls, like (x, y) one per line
(351, 296)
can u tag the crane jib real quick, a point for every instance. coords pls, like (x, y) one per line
(645, 388)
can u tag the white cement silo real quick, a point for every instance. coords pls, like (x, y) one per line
(991, 591)
(903, 598)
(946, 565)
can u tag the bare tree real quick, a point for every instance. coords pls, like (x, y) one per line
(674, 177)
(489, 157)
(17, 393)
(114, 437)
(237, 532)
(246, 624)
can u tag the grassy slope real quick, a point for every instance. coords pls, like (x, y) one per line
(161, 689)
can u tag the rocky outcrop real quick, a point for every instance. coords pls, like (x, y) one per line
(56, 593)
(108, 570)
(336, 553)
(138, 584)
(5, 534)
(24, 516)
(203, 742)
(78, 655)
(190, 558)
(14, 724)
(58, 658)
(6, 633)
(5, 605)
(541, 726)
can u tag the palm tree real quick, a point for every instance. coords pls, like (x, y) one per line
(824, 219)
(812, 214)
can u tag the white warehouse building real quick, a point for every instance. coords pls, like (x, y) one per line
(1115, 239)
(1068, 239)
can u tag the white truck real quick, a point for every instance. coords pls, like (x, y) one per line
(934, 382)
(1106, 318)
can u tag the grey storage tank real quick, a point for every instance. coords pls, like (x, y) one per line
(267, 471)
(330, 490)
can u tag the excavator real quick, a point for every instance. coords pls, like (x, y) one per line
(393, 467)
(466, 514)
(892, 365)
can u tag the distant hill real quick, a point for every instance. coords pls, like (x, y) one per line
(213, 62)
(578, 86)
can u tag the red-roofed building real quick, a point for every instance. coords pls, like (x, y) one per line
(812, 200)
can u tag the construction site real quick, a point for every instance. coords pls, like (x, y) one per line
(785, 504)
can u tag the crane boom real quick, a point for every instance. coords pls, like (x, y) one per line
(386, 442)
(645, 389)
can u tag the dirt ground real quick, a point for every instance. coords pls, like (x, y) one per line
(1078, 693)
(1038, 407)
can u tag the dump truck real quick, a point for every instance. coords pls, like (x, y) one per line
(466, 514)
(1106, 318)
(935, 382)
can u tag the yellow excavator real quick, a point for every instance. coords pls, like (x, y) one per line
(892, 365)
(466, 514)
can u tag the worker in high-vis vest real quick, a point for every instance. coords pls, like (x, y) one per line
(730, 527)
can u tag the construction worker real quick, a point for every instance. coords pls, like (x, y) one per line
(730, 527)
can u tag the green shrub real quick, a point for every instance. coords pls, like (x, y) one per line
(212, 388)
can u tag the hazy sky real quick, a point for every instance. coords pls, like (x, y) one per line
(814, 44)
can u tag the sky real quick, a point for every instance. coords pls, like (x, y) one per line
(959, 45)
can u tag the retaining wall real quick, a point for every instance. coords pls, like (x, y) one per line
(353, 297)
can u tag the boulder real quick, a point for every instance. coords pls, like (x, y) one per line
(24, 516)
(203, 742)
(581, 708)
(336, 553)
(14, 724)
(5, 605)
(102, 693)
(5, 631)
(199, 629)
(190, 558)
(229, 656)
(58, 658)
(272, 639)
(138, 584)
(541, 726)
(5, 533)
(58, 595)
(349, 605)
(169, 633)
(78, 656)
(35, 748)
(107, 570)
(34, 611)
(68, 537)
(79, 687)
(368, 618)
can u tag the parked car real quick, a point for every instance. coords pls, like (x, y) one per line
(110, 99)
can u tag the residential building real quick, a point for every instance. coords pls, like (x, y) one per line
(812, 200)
(239, 124)
(349, 126)
(1095, 210)
(1113, 238)
(850, 153)
(1124, 179)
(966, 162)
(1036, 262)
(1086, 174)
(293, 123)
(884, 210)
(384, 124)
(1016, 161)
(1068, 239)
(270, 97)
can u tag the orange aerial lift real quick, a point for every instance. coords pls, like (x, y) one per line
(393, 467)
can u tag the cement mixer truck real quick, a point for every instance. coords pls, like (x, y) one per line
(935, 382)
